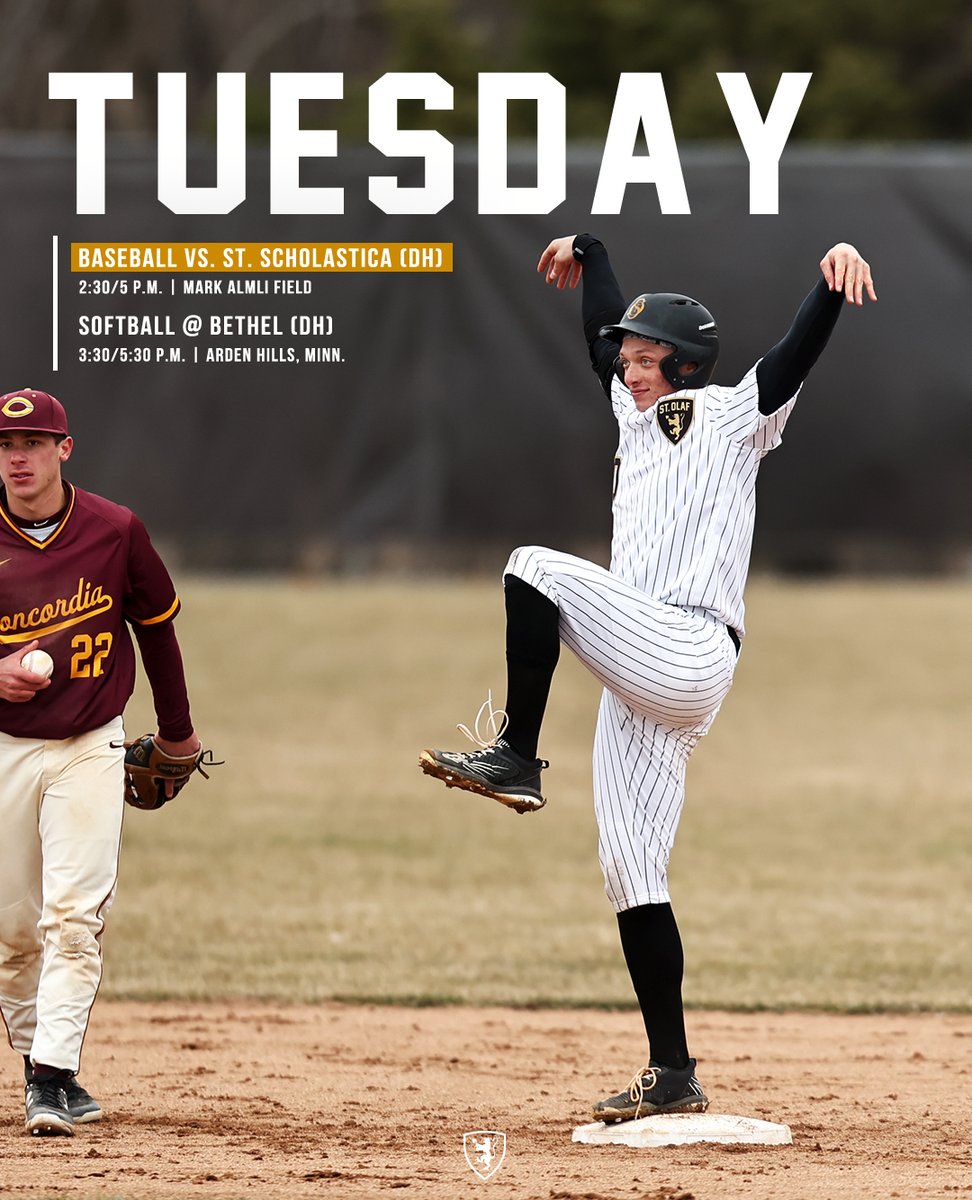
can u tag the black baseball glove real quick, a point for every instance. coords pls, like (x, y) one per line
(148, 769)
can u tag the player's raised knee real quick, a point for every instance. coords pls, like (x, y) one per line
(526, 561)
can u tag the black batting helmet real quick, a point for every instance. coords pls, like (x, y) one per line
(676, 321)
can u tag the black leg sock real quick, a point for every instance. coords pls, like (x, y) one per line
(532, 651)
(41, 1073)
(653, 951)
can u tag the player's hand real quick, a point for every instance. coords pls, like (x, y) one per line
(559, 263)
(16, 684)
(845, 271)
(191, 745)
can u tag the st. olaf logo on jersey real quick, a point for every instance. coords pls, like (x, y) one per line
(675, 416)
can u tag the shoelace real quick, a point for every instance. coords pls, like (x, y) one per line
(493, 721)
(637, 1088)
(49, 1096)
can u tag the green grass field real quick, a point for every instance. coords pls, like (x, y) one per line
(823, 858)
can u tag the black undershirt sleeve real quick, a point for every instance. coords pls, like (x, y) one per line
(601, 304)
(787, 365)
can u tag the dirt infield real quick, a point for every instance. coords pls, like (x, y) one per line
(239, 1099)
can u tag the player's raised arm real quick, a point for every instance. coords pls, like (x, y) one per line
(582, 257)
(844, 275)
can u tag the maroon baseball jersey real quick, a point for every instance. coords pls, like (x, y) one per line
(74, 592)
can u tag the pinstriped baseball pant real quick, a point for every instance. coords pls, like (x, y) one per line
(665, 672)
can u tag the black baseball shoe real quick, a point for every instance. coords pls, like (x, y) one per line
(48, 1114)
(495, 770)
(82, 1106)
(656, 1089)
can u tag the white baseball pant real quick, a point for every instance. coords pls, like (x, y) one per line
(61, 806)
(665, 671)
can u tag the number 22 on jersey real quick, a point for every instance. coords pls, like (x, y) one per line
(89, 655)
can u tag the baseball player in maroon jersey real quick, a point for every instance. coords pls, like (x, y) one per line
(662, 627)
(76, 571)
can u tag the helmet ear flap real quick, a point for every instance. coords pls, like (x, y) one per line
(671, 368)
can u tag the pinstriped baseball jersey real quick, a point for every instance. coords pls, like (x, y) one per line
(685, 496)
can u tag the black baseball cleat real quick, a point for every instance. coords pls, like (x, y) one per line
(655, 1089)
(82, 1106)
(48, 1114)
(495, 770)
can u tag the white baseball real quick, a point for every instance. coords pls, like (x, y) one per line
(39, 662)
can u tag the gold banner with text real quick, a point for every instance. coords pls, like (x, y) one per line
(271, 257)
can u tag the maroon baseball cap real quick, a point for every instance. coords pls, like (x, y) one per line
(39, 412)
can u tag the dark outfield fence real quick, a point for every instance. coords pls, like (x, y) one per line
(464, 418)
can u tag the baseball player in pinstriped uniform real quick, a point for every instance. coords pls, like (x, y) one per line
(661, 629)
(75, 570)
